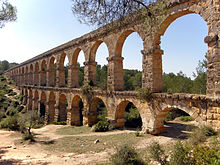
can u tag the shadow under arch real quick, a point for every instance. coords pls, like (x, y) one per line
(51, 104)
(36, 100)
(76, 111)
(120, 117)
(43, 101)
(97, 111)
(157, 119)
(63, 104)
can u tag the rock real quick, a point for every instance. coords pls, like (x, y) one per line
(9, 146)
(14, 148)
(96, 141)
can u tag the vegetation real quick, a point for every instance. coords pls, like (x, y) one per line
(7, 12)
(101, 126)
(126, 154)
(5, 65)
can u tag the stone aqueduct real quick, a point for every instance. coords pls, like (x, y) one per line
(35, 77)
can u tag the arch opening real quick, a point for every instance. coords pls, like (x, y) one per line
(51, 104)
(76, 111)
(31, 74)
(97, 111)
(43, 101)
(63, 104)
(36, 99)
(43, 73)
(30, 100)
(129, 46)
(99, 54)
(52, 72)
(128, 116)
(63, 70)
(184, 42)
(175, 122)
(36, 74)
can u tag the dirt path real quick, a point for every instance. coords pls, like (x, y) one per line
(12, 152)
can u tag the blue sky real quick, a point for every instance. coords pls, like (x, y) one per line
(44, 24)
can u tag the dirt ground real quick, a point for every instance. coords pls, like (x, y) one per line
(14, 152)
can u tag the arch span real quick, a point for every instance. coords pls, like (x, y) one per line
(63, 104)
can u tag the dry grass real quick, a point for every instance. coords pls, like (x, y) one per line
(85, 144)
(73, 130)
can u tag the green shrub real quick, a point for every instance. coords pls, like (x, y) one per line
(10, 122)
(133, 118)
(59, 123)
(101, 126)
(180, 155)
(30, 137)
(169, 117)
(15, 104)
(2, 115)
(200, 135)
(12, 112)
(126, 155)
(20, 108)
(137, 133)
(185, 118)
(157, 153)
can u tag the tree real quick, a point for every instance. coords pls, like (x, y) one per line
(29, 120)
(102, 12)
(199, 84)
(7, 12)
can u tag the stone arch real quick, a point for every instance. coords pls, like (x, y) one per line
(30, 99)
(93, 110)
(63, 104)
(51, 72)
(36, 100)
(120, 113)
(36, 74)
(31, 74)
(51, 104)
(62, 78)
(43, 74)
(43, 102)
(76, 111)
(121, 39)
(26, 75)
(156, 123)
(156, 51)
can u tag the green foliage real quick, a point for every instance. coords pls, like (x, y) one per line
(29, 120)
(125, 155)
(132, 117)
(12, 112)
(157, 153)
(199, 135)
(174, 113)
(176, 83)
(101, 126)
(28, 136)
(186, 118)
(10, 123)
(59, 123)
(180, 155)
(132, 79)
(144, 94)
(137, 133)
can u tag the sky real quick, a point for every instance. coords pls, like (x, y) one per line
(44, 24)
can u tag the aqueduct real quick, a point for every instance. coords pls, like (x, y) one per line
(44, 85)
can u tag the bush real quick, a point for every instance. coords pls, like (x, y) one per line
(30, 137)
(59, 123)
(126, 155)
(10, 122)
(2, 115)
(12, 112)
(157, 153)
(20, 108)
(200, 135)
(101, 126)
(15, 104)
(133, 118)
(185, 118)
(179, 155)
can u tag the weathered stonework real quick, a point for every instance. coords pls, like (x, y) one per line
(36, 77)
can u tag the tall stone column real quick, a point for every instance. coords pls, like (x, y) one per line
(115, 73)
(90, 72)
(73, 77)
(213, 65)
(56, 116)
(60, 79)
(152, 69)
(46, 117)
